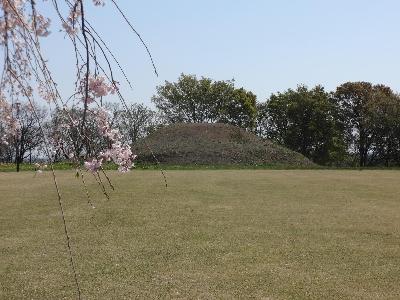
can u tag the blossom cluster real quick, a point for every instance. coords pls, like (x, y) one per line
(16, 23)
(119, 153)
(97, 87)
(71, 23)
(26, 75)
(11, 126)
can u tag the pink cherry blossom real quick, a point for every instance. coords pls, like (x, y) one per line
(27, 75)
(94, 165)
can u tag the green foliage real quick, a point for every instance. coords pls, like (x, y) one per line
(305, 121)
(384, 120)
(370, 117)
(192, 100)
(357, 125)
(240, 110)
(187, 100)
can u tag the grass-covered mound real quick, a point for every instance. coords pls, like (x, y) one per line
(214, 144)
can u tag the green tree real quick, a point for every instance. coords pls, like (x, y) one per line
(358, 102)
(240, 109)
(188, 100)
(192, 100)
(305, 121)
(384, 121)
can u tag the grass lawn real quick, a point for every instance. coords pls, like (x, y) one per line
(261, 234)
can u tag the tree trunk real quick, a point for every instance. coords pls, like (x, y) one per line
(17, 157)
(18, 164)
(362, 152)
(363, 157)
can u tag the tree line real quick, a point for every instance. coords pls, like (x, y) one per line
(358, 124)
(65, 139)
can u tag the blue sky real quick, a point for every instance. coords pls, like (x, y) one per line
(266, 46)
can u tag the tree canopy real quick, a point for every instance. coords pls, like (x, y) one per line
(370, 115)
(303, 120)
(193, 100)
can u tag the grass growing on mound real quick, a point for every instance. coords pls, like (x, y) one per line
(214, 144)
(299, 234)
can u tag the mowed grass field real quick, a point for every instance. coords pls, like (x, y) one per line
(245, 234)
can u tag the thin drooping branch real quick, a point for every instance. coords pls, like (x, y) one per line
(60, 203)
(26, 75)
(87, 64)
(138, 35)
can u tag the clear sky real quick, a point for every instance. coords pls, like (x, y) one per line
(266, 46)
